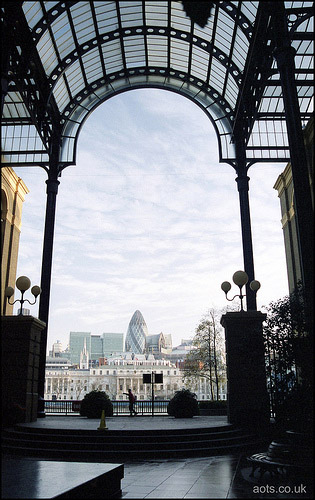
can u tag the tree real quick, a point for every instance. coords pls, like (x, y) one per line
(207, 359)
(288, 359)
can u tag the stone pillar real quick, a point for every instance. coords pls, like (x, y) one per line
(21, 336)
(248, 401)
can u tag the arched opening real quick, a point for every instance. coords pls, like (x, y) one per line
(149, 219)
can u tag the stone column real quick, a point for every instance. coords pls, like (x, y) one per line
(248, 401)
(21, 337)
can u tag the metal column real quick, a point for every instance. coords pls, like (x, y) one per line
(43, 313)
(243, 188)
(284, 55)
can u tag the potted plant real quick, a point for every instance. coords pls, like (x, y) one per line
(94, 402)
(184, 404)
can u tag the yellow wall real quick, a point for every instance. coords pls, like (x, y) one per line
(13, 191)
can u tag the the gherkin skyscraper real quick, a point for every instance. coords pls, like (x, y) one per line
(136, 334)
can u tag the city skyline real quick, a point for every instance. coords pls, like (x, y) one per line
(149, 219)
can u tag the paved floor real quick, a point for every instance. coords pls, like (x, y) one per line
(216, 477)
(224, 476)
(127, 423)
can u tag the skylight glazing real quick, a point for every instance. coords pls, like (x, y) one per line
(90, 50)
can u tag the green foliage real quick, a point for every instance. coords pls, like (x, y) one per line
(93, 404)
(288, 359)
(207, 359)
(184, 404)
(212, 405)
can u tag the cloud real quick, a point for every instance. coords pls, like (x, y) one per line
(148, 219)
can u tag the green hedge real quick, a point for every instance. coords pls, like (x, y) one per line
(184, 404)
(94, 402)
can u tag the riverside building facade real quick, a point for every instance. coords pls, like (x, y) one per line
(99, 362)
(116, 376)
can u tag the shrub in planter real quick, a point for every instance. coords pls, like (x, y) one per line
(184, 404)
(94, 402)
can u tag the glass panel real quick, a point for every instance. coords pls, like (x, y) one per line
(67, 150)
(112, 56)
(231, 91)
(74, 78)
(199, 62)
(106, 15)
(61, 94)
(33, 12)
(134, 51)
(14, 106)
(249, 9)
(130, 13)
(103, 92)
(22, 138)
(155, 13)
(70, 129)
(206, 32)
(92, 65)
(179, 54)
(77, 117)
(179, 20)
(61, 28)
(217, 76)
(240, 50)
(157, 51)
(83, 21)
(47, 53)
(216, 110)
(224, 33)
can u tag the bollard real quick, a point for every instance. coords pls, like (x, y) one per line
(102, 426)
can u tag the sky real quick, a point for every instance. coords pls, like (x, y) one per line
(148, 219)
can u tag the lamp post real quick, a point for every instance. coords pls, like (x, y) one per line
(240, 278)
(23, 283)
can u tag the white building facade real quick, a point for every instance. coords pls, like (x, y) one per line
(65, 382)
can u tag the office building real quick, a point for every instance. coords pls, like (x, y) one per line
(112, 342)
(136, 334)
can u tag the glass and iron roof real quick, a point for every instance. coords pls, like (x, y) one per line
(63, 59)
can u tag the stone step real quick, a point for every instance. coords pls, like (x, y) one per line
(112, 445)
(95, 436)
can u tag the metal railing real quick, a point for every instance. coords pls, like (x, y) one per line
(72, 407)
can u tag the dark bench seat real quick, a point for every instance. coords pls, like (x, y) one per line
(264, 463)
